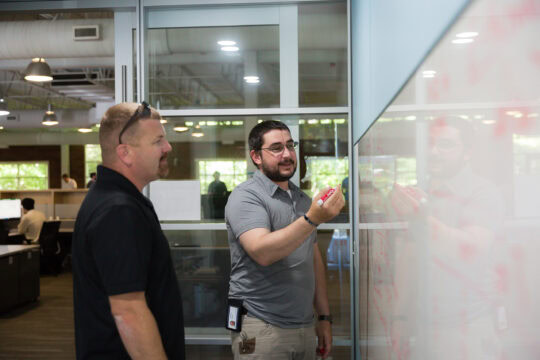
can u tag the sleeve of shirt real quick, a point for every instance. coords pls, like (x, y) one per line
(23, 225)
(121, 245)
(245, 211)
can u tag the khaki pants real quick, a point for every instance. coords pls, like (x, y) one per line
(260, 340)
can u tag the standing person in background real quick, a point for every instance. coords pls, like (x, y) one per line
(68, 183)
(92, 180)
(31, 221)
(127, 299)
(217, 187)
(277, 272)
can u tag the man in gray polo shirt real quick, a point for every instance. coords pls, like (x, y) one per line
(277, 270)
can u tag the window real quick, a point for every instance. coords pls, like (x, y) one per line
(324, 171)
(24, 176)
(92, 158)
(231, 172)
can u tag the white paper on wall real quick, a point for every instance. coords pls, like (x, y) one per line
(176, 199)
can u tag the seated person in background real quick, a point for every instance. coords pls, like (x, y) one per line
(217, 187)
(31, 221)
(92, 180)
(68, 182)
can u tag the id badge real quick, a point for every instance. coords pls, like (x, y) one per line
(234, 315)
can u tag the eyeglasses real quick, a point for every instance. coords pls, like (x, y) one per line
(277, 149)
(144, 113)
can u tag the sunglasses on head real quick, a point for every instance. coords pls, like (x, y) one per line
(138, 114)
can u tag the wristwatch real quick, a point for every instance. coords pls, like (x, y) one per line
(326, 318)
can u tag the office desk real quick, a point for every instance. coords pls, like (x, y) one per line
(19, 275)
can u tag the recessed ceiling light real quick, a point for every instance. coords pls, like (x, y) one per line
(478, 117)
(180, 128)
(163, 121)
(488, 122)
(230, 48)
(252, 79)
(313, 121)
(462, 41)
(197, 133)
(211, 123)
(410, 118)
(428, 73)
(84, 130)
(467, 34)
(464, 117)
(326, 121)
(226, 42)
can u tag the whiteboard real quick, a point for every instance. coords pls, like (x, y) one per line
(176, 199)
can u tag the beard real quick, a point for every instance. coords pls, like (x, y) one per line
(274, 174)
(163, 167)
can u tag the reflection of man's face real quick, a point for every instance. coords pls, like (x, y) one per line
(278, 166)
(447, 152)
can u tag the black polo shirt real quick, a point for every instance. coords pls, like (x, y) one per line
(118, 247)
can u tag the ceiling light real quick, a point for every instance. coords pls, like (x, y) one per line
(1, 127)
(237, 123)
(532, 115)
(312, 121)
(38, 70)
(189, 123)
(467, 34)
(464, 117)
(410, 118)
(301, 122)
(478, 117)
(226, 42)
(163, 121)
(197, 132)
(339, 121)
(3, 107)
(488, 122)
(98, 125)
(49, 119)
(429, 73)
(326, 121)
(211, 123)
(202, 123)
(230, 48)
(518, 115)
(462, 41)
(84, 130)
(252, 79)
(181, 128)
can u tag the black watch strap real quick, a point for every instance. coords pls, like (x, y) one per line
(326, 318)
(309, 221)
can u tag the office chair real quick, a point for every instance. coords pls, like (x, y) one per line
(50, 247)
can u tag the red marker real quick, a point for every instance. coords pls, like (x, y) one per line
(325, 196)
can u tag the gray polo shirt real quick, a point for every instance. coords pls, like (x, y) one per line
(281, 293)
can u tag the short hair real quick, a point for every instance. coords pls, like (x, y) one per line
(257, 133)
(65, 175)
(113, 121)
(92, 174)
(28, 203)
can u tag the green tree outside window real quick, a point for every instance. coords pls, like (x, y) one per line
(24, 176)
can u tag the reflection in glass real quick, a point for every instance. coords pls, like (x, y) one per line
(188, 68)
(450, 272)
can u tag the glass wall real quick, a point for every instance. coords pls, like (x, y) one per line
(448, 193)
(203, 69)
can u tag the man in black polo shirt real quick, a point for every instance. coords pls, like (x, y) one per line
(127, 300)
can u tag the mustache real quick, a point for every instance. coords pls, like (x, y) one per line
(287, 162)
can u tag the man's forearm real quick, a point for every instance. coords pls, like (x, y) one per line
(140, 334)
(276, 245)
(321, 295)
